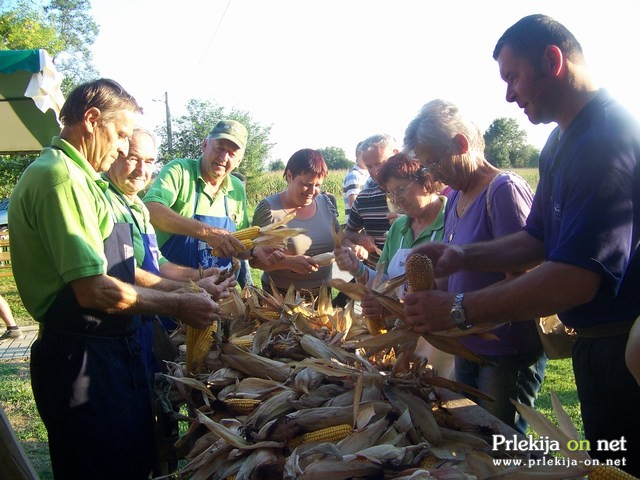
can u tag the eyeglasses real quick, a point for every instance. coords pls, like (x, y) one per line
(400, 191)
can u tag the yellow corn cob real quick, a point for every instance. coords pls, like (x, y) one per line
(606, 472)
(247, 233)
(429, 461)
(198, 343)
(247, 242)
(329, 434)
(242, 406)
(420, 273)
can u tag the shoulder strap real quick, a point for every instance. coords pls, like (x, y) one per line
(488, 199)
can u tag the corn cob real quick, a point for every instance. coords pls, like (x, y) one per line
(242, 406)
(247, 233)
(246, 236)
(329, 434)
(198, 343)
(429, 461)
(607, 472)
(420, 273)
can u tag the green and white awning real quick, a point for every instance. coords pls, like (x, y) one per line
(30, 101)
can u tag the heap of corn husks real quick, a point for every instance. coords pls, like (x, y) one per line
(285, 391)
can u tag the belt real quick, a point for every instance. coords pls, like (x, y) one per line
(605, 329)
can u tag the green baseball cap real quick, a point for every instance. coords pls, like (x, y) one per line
(230, 130)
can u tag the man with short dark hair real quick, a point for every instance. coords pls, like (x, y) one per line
(75, 272)
(583, 233)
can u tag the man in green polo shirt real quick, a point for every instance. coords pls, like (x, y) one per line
(196, 204)
(74, 269)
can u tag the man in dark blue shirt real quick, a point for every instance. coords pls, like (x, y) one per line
(583, 232)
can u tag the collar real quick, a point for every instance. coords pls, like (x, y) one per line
(225, 187)
(77, 158)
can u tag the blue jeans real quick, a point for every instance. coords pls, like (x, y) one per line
(512, 376)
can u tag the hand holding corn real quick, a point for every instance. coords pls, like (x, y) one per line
(226, 245)
(196, 309)
(426, 309)
(218, 290)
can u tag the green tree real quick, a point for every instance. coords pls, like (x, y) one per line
(336, 158)
(10, 170)
(189, 131)
(24, 28)
(506, 144)
(277, 166)
(64, 28)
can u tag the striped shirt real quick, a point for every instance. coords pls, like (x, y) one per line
(353, 183)
(369, 213)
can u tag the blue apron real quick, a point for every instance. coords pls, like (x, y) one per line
(145, 334)
(194, 253)
(90, 383)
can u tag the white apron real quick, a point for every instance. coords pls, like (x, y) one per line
(443, 363)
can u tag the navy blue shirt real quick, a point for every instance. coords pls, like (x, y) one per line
(587, 207)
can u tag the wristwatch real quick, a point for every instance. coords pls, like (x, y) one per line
(457, 313)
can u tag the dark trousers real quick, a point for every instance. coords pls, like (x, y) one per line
(94, 397)
(609, 398)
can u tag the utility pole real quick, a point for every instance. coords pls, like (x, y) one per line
(168, 113)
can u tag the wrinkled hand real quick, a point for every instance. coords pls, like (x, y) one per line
(428, 310)
(217, 290)
(302, 264)
(371, 307)
(229, 245)
(446, 258)
(197, 309)
(346, 259)
(269, 255)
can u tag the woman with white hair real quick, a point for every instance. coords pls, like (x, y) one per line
(485, 203)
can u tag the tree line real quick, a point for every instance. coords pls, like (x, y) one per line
(67, 31)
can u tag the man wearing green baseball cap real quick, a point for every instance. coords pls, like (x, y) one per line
(195, 204)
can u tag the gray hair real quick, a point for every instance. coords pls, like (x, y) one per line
(379, 140)
(435, 126)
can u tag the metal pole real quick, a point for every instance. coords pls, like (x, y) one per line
(169, 136)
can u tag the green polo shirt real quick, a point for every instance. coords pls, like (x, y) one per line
(401, 235)
(176, 186)
(59, 218)
(119, 202)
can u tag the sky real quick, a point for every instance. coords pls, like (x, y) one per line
(327, 73)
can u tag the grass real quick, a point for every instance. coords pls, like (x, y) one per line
(16, 398)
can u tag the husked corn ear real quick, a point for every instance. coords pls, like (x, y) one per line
(247, 242)
(329, 434)
(247, 233)
(242, 406)
(607, 472)
(198, 344)
(420, 273)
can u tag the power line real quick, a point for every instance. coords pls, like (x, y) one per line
(215, 32)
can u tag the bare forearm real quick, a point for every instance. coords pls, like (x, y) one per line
(514, 253)
(109, 294)
(550, 288)
(165, 219)
(179, 273)
(149, 280)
